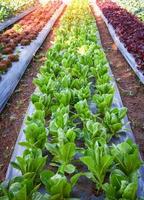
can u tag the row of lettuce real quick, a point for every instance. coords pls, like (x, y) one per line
(74, 122)
(135, 7)
(9, 8)
(129, 29)
(23, 33)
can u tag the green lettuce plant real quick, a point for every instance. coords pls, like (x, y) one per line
(126, 156)
(58, 186)
(113, 120)
(63, 155)
(83, 110)
(60, 119)
(93, 132)
(19, 188)
(105, 88)
(121, 187)
(103, 102)
(99, 162)
(31, 161)
(64, 97)
(35, 131)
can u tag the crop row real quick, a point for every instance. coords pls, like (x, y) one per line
(135, 7)
(23, 32)
(129, 29)
(9, 8)
(70, 134)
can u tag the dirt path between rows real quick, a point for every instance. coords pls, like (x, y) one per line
(132, 92)
(13, 115)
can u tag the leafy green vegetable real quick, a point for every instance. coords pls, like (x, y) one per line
(113, 119)
(35, 132)
(42, 102)
(63, 154)
(83, 110)
(63, 97)
(99, 162)
(103, 79)
(99, 71)
(126, 156)
(83, 93)
(32, 161)
(57, 185)
(121, 186)
(103, 102)
(19, 188)
(105, 88)
(93, 132)
(46, 84)
(60, 119)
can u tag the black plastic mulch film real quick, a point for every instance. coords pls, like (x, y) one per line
(10, 79)
(18, 150)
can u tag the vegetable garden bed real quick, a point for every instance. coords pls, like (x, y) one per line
(131, 89)
(135, 7)
(127, 32)
(10, 8)
(13, 20)
(75, 121)
(23, 32)
(12, 116)
(10, 79)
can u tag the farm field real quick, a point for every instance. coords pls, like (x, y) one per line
(72, 103)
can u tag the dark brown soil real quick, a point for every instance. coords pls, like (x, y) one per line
(132, 92)
(12, 116)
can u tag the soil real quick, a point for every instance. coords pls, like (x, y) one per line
(131, 90)
(13, 114)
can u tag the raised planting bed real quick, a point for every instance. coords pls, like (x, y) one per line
(11, 21)
(23, 32)
(127, 32)
(135, 7)
(10, 8)
(11, 77)
(131, 90)
(75, 144)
